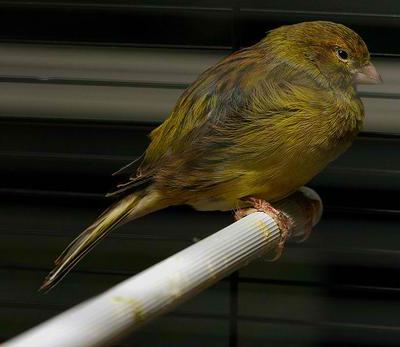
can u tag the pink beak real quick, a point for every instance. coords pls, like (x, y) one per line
(367, 74)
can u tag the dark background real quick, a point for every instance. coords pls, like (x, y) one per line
(83, 83)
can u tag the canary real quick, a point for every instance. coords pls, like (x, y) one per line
(256, 126)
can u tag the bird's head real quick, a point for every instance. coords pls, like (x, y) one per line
(328, 51)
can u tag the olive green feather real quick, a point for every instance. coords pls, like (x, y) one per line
(261, 123)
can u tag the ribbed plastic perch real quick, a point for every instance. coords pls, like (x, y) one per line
(162, 287)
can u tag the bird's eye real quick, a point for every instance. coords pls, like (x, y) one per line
(342, 54)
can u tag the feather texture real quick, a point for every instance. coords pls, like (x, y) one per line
(260, 123)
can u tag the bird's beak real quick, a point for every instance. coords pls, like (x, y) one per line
(367, 74)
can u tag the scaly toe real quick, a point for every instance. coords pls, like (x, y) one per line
(284, 222)
(243, 212)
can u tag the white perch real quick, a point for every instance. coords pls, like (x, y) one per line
(137, 300)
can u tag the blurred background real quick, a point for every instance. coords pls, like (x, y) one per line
(83, 82)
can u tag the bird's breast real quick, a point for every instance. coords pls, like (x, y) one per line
(306, 147)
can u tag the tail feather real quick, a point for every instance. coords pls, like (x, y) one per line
(131, 207)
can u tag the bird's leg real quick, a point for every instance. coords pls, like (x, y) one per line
(284, 222)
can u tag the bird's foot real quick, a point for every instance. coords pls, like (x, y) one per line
(308, 229)
(243, 212)
(284, 222)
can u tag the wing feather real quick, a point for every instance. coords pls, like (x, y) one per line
(216, 121)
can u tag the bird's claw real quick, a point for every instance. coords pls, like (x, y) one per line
(285, 225)
(306, 234)
(284, 222)
(243, 212)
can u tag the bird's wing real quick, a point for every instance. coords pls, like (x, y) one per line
(205, 101)
(214, 115)
(216, 94)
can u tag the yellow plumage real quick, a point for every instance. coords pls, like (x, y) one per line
(260, 123)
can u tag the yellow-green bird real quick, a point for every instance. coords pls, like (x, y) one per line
(259, 124)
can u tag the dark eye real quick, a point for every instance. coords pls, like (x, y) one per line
(342, 54)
